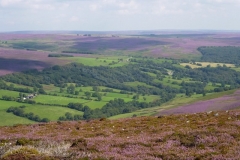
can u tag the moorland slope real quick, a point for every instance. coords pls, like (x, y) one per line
(209, 135)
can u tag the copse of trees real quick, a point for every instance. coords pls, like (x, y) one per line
(70, 117)
(119, 106)
(60, 55)
(96, 76)
(78, 106)
(11, 87)
(71, 89)
(225, 54)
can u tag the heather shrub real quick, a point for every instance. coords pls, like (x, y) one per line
(103, 119)
(3, 142)
(24, 142)
(184, 139)
(79, 144)
(26, 153)
(134, 115)
(53, 149)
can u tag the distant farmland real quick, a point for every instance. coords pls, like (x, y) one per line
(116, 76)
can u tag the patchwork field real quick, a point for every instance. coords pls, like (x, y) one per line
(54, 105)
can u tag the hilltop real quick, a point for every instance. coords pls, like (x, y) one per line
(209, 135)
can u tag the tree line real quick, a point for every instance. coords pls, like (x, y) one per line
(224, 54)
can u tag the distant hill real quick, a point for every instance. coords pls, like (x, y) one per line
(129, 32)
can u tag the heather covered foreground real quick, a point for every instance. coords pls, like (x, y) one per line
(212, 135)
(226, 102)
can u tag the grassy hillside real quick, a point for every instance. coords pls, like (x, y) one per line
(209, 135)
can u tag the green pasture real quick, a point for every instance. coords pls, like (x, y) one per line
(90, 89)
(211, 87)
(48, 99)
(50, 88)
(9, 93)
(50, 112)
(101, 61)
(128, 98)
(8, 119)
(61, 98)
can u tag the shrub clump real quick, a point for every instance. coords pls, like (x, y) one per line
(24, 142)
(21, 153)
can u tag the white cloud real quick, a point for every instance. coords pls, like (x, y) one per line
(128, 7)
(42, 6)
(5, 3)
(74, 19)
(119, 14)
(95, 7)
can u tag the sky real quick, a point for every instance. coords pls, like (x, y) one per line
(119, 15)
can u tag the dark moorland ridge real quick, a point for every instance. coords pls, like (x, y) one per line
(209, 135)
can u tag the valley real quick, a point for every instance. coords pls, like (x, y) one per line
(79, 77)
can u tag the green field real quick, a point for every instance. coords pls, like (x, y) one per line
(48, 99)
(50, 112)
(92, 103)
(8, 118)
(43, 111)
(9, 93)
(101, 61)
(54, 112)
